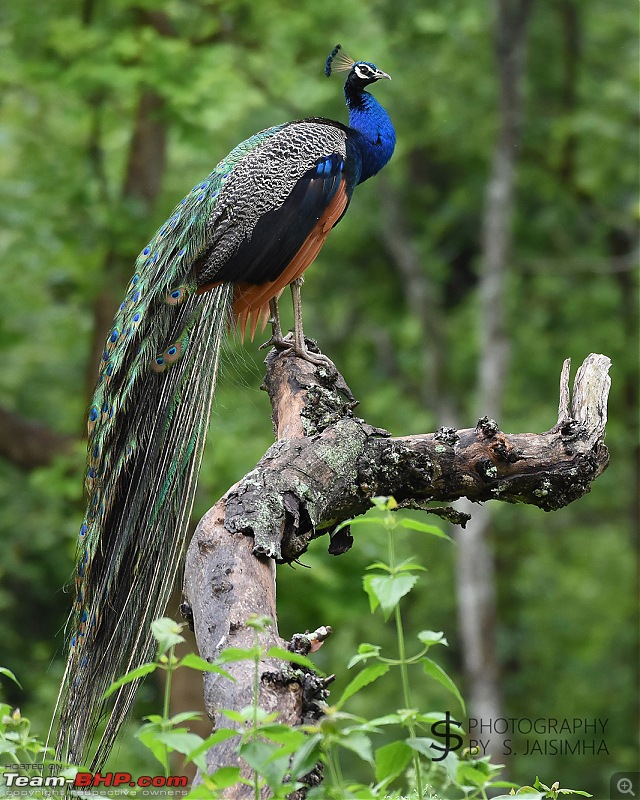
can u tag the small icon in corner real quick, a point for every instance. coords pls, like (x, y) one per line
(624, 784)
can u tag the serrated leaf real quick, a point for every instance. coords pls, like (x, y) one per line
(194, 661)
(390, 589)
(134, 675)
(368, 675)
(423, 527)
(391, 761)
(436, 672)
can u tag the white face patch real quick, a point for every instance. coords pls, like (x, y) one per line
(363, 72)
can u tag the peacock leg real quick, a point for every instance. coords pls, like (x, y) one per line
(277, 340)
(299, 345)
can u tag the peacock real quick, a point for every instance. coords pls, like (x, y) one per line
(222, 258)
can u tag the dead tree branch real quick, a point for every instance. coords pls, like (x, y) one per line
(325, 467)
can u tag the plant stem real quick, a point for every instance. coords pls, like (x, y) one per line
(256, 695)
(404, 673)
(334, 768)
(166, 706)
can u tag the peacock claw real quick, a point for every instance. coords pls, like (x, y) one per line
(319, 359)
(289, 346)
(278, 342)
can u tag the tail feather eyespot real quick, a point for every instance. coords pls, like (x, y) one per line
(176, 296)
(173, 353)
(158, 364)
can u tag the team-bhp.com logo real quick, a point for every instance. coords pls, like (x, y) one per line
(86, 780)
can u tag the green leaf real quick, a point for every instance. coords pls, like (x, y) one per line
(522, 795)
(264, 757)
(283, 734)
(435, 716)
(410, 566)
(429, 638)
(368, 675)
(365, 652)
(467, 773)
(10, 675)
(360, 744)
(391, 761)
(194, 661)
(348, 523)
(225, 777)
(423, 527)
(373, 599)
(148, 735)
(183, 716)
(134, 675)
(198, 754)
(389, 589)
(307, 756)
(239, 654)
(167, 633)
(387, 719)
(181, 740)
(423, 745)
(436, 671)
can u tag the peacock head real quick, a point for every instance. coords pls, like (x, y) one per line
(361, 73)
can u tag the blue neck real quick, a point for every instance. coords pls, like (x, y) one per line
(376, 137)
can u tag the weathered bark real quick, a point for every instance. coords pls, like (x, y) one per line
(325, 467)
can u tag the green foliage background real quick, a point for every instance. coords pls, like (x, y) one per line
(70, 77)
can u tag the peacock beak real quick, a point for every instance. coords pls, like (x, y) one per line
(380, 75)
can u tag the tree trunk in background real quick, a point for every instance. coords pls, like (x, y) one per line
(142, 182)
(475, 564)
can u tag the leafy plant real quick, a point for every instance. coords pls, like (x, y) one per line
(279, 756)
